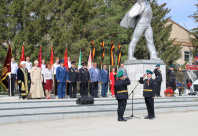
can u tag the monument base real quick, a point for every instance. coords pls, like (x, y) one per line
(137, 68)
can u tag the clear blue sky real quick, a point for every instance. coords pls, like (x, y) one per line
(180, 10)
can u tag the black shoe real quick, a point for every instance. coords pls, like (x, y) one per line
(71, 97)
(96, 97)
(151, 118)
(122, 120)
(147, 117)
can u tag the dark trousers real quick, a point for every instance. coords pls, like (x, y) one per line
(72, 93)
(13, 78)
(150, 106)
(67, 88)
(158, 88)
(180, 90)
(56, 85)
(172, 85)
(121, 108)
(94, 91)
(90, 87)
(43, 85)
(84, 88)
(104, 89)
(29, 84)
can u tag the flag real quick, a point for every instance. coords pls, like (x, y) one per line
(196, 58)
(65, 58)
(119, 55)
(112, 58)
(103, 52)
(22, 55)
(40, 58)
(80, 59)
(93, 50)
(6, 68)
(89, 61)
(52, 57)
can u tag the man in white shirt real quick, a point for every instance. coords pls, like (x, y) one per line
(13, 76)
(43, 65)
(69, 62)
(29, 67)
(54, 67)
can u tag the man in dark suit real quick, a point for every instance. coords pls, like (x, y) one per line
(73, 77)
(121, 93)
(149, 93)
(84, 79)
(104, 79)
(172, 77)
(158, 79)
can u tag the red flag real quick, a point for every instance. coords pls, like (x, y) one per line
(65, 59)
(6, 68)
(40, 57)
(52, 56)
(22, 56)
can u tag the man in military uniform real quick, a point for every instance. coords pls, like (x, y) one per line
(180, 80)
(62, 77)
(149, 93)
(121, 94)
(172, 78)
(73, 77)
(158, 79)
(84, 79)
(23, 80)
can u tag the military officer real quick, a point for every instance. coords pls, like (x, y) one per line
(172, 77)
(23, 80)
(121, 94)
(84, 79)
(149, 93)
(158, 79)
(73, 77)
(62, 77)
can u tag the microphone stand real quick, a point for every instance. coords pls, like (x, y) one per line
(132, 92)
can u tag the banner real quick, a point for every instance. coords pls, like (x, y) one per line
(40, 58)
(112, 58)
(22, 56)
(65, 58)
(6, 68)
(79, 62)
(119, 55)
(103, 52)
(93, 50)
(52, 57)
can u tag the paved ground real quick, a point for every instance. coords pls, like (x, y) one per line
(166, 124)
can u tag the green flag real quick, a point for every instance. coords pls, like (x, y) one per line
(79, 62)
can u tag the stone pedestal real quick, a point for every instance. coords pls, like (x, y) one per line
(137, 68)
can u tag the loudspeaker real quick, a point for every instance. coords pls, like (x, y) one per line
(85, 100)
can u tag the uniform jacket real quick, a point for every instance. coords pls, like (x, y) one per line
(62, 74)
(73, 74)
(121, 85)
(104, 76)
(84, 75)
(180, 77)
(158, 75)
(94, 76)
(171, 74)
(130, 19)
(148, 85)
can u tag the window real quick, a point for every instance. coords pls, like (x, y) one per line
(186, 55)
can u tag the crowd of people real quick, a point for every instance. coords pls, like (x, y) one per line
(37, 82)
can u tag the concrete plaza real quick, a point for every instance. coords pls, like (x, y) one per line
(166, 124)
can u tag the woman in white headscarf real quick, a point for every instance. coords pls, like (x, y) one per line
(36, 90)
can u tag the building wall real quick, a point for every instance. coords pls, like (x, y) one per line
(182, 37)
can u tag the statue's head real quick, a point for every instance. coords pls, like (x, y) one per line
(140, 1)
